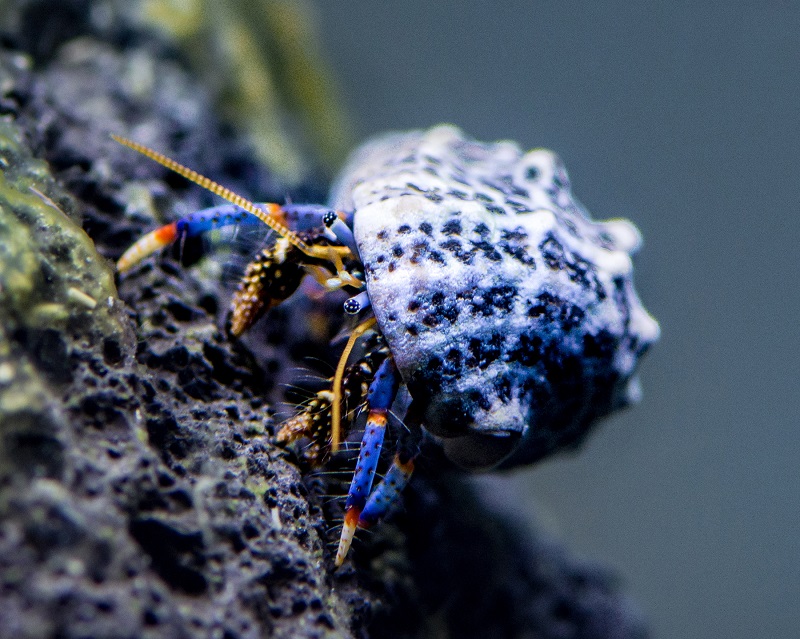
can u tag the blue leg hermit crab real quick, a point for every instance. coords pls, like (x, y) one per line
(480, 284)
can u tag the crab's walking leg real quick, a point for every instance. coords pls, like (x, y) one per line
(380, 397)
(396, 479)
(387, 491)
(299, 217)
(274, 274)
(193, 224)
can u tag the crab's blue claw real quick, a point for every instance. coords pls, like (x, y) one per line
(380, 397)
(351, 518)
(192, 225)
(147, 245)
(387, 491)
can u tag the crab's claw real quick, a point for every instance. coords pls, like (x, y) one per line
(378, 503)
(351, 518)
(147, 245)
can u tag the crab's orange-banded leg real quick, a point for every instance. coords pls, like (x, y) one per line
(336, 413)
(380, 397)
(192, 225)
(270, 217)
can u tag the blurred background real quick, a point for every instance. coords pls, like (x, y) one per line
(685, 118)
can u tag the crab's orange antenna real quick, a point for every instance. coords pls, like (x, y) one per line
(217, 189)
(336, 406)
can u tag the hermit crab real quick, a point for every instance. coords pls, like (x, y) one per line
(480, 284)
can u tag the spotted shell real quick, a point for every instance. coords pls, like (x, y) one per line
(510, 313)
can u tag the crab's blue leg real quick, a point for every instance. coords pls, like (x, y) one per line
(380, 397)
(387, 492)
(298, 217)
(193, 224)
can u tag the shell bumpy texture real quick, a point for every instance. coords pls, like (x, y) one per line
(510, 313)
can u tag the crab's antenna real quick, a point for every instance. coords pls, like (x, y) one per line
(336, 406)
(269, 218)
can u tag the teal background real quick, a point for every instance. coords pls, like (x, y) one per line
(683, 117)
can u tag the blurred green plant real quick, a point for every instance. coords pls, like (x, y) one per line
(264, 59)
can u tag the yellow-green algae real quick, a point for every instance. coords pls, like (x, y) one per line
(265, 58)
(51, 277)
(49, 268)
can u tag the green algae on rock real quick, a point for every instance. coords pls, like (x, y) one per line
(51, 276)
(265, 58)
(52, 281)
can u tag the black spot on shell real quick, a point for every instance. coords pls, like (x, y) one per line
(481, 229)
(483, 352)
(514, 235)
(479, 398)
(455, 247)
(452, 365)
(528, 350)
(600, 347)
(426, 228)
(405, 228)
(497, 298)
(518, 252)
(489, 251)
(419, 250)
(578, 271)
(518, 207)
(397, 250)
(502, 297)
(452, 227)
(430, 320)
(553, 252)
(502, 387)
(555, 310)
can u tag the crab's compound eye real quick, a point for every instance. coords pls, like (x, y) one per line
(329, 218)
(544, 169)
(357, 303)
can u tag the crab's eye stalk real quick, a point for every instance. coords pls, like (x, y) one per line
(340, 231)
(356, 304)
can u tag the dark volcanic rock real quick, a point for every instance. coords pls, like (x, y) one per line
(141, 494)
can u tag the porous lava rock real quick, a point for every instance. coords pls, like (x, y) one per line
(141, 493)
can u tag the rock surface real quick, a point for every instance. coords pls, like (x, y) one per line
(141, 494)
